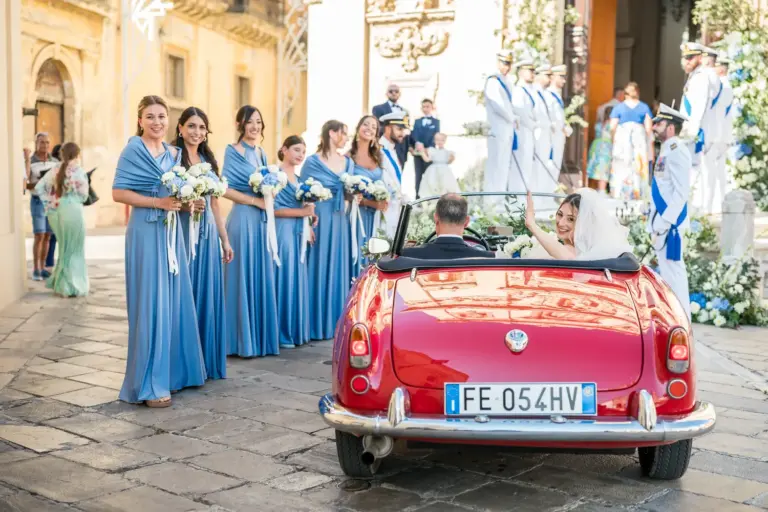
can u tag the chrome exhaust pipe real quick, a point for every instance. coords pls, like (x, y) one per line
(375, 448)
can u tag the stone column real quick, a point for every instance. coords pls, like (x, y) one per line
(12, 258)
(336, 65)
(737, 231)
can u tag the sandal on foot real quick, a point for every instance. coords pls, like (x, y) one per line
(159, 403)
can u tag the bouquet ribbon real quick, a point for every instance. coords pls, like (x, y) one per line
(354, 219)
(170, 242)
(194, 233)
(269, 202)
(306, 229)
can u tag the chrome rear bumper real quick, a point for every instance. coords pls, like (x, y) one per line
(399, 423)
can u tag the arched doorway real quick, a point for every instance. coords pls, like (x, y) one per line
(55, 102)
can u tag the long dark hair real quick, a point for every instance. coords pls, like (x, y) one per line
(292, 140)
(204, 150)
(242, 118)
(69, 152)
(374, 150)
(572, 199)
(324, 148)
(145, 102)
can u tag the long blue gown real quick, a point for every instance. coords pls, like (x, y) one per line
(163, 342)
(329, 260)
(291, 275)
(249, 280)
(207, 273)
(368, 215)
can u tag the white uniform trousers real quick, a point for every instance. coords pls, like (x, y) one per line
(676, 276)
(717, 178)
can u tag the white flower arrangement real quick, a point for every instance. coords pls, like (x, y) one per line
(519, 247)
(312, 191)
(268, 181)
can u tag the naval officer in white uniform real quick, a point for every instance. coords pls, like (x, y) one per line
(545, 175)
(670, 188)
(724, 113)
(501, 119)
(700, 97)
(524, 106)
(395, 126)
(557, 109)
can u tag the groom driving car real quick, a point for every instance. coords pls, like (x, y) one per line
(450, 220)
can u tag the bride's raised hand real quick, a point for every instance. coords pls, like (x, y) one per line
(530, 213)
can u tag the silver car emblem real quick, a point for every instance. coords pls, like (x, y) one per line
(516, 340)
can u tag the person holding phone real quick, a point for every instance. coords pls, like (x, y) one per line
(40, 163)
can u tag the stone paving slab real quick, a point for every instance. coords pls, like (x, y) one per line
(254, 441)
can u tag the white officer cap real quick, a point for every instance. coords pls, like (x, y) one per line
(526, 64)
(723, 60)
(667, 113)
(707, 50)
(691, 49)
(398, 118)
(560, 70)
(505, 56)
(544, 69)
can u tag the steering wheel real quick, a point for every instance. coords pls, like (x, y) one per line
(474, 237)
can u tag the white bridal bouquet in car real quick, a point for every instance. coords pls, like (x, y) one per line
(356, 186)
(184, 187)
(310, 191)
(206, 184)
(267, 182)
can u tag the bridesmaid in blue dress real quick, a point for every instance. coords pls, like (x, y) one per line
(366, 154)
(249, 281)
(163, 342)
(206, 269)
(291, 275)
(329, 259)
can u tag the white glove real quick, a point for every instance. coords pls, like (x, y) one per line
(685, 133)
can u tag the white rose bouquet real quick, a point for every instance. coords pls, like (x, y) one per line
(357, 186)
(206, 184)
(267, 182)
(185, 187)
(310, 191)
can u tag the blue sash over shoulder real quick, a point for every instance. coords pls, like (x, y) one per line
(509, 97)
(138, 171)
(674, 240)
(699, 143)
(315, 168)
(238, 172)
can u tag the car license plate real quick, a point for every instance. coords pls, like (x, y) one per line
(532, 399)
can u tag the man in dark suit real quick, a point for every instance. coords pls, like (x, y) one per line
(450, 220)
(422, 137)
(393, 94)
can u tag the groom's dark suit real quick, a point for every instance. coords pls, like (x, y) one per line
(445, 248)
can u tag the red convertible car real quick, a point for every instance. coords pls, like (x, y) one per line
(582, 355)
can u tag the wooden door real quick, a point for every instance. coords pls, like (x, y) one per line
(50, 119)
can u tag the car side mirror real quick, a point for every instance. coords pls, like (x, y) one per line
(378, 246)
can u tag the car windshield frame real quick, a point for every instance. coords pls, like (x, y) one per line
(406, 209)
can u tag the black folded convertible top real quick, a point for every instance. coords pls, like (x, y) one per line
(627, 262)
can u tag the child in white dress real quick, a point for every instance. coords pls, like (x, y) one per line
(438, 178)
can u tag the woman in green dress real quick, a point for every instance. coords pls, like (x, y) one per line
(63, 193)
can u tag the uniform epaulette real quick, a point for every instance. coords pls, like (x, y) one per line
(673, 146)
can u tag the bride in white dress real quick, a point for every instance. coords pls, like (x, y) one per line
(438, 178)
(585, 230)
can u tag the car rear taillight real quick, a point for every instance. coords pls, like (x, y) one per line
(678, 351)
(359, 347)
(677, 388)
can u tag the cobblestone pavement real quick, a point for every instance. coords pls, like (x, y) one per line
(255, 442)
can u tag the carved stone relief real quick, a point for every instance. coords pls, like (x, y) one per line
(410, 42)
